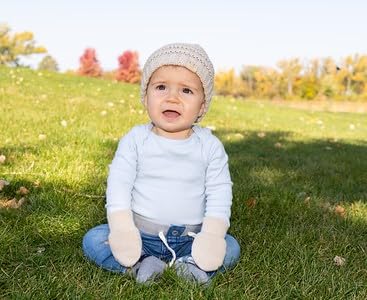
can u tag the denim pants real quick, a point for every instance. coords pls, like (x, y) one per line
(97, 249)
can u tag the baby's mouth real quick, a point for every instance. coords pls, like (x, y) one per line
(171, 114)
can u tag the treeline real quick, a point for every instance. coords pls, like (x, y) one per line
(292, 79)
(315, 79)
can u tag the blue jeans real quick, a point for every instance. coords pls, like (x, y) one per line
(97, 249)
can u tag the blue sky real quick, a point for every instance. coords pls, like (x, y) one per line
(234, 33)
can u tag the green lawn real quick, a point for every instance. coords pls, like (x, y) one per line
(294, 172)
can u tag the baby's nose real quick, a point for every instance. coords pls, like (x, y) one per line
(173, 95)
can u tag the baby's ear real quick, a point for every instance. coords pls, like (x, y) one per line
(202, 108)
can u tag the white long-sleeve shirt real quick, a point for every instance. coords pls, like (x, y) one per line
(170, 181)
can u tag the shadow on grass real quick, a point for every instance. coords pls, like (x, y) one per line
(332, 170)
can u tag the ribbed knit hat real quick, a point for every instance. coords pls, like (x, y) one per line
(190, 56)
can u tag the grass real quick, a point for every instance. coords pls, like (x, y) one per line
(293, 170)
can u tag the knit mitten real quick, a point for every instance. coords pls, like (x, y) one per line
(209, 246)
(124, 238)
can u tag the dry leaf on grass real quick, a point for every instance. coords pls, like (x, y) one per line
(339, 261)
(37, 183)
(251, 202)
(278, 145)
(42, 136)
(3, 183)
(13, 203)
(23, 191)
(340, 211)
(2, 159)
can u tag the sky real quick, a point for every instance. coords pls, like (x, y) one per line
(234, 33)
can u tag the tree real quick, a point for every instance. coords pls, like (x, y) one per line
(290, 70)
(228, 83)
(48, 63)
(14, 46)
(89, 64)
(128, 70)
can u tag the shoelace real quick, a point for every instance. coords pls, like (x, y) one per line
(164, 240)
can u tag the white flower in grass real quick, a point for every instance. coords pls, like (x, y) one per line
(64, 123)
(110, 104)
(319, 122)
(103, 113)
(2, 158)
(140, 111)
(42, 136)
(122, 101)
(352, 126)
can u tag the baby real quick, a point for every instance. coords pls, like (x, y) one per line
(169, 191)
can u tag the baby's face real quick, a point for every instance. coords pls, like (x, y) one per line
(174, 100)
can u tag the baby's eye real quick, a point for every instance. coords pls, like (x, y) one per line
(187, 91)
(161, 87)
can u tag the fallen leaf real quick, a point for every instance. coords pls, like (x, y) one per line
(278, 145)
(326, 206)
(319, 122)
(23, 191)
(251, 202)
(13, 203)
(42, 137)
(2, 158)
(3, 183)
(340, 210)
(36, 184)
(339, 261)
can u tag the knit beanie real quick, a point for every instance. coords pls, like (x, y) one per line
(190, 56)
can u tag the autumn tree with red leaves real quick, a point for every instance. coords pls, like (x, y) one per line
(128, 70)
(89, 64)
